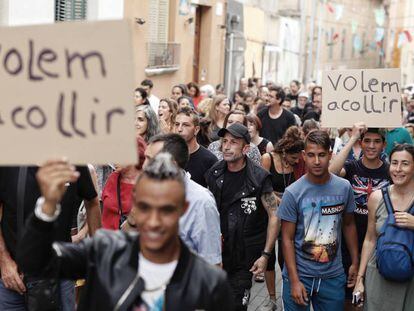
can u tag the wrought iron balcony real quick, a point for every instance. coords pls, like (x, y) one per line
(163, 55)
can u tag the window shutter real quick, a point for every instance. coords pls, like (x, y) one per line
(163, 12)
(70, 10)
(158, 21)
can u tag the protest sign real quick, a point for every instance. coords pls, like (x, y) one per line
(372, 96)
(67, 90)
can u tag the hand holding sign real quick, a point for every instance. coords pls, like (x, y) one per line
(358, 129)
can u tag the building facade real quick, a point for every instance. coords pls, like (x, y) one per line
(174, 41)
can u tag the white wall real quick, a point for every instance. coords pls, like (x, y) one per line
(27, 12)
(105, 9)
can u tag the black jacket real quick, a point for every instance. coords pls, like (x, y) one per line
(109, 262)
(244, 222)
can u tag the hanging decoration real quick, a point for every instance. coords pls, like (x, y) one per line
(379, 34)
(408, 35)
(380, 16)
(357, 43)
(339, 10)
(373, 46)
(354, 25)
(401, 40)
(184, 8)
(334, 39)
(330, 8)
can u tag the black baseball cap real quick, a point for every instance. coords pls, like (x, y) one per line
(237, 130)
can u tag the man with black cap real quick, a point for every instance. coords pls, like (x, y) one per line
(247, 206)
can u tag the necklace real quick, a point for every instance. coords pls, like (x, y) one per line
(286, 184)
(162, 287)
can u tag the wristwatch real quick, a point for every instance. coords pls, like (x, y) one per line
(266, 254)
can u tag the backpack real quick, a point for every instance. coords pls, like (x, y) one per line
(395, 247)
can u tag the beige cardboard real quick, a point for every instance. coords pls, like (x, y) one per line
(366, 95)
(52, 104)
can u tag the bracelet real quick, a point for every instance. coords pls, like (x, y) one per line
(361, 276)
(266, 254)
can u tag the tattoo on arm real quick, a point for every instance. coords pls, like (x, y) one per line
(270, 202)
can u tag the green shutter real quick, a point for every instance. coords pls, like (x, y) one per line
(70, 10)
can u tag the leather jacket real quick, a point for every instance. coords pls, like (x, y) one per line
(244, 221)
(109, 263)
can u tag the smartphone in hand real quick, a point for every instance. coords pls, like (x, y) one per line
(356, 298)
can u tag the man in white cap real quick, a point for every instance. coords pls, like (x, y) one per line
(300, 108)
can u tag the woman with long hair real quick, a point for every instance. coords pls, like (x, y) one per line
(141, 97)
(285, 165)
(166, 114)
(382, 294)
(146, 122)
(219, 109)
(194, 92)
(254, 125)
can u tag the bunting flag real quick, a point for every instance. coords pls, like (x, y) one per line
(379, 34)
(339, 10)
(354, 25)
(334, 39)
(330, 8)
(357, 43)
(373, 46)
(379, 16)
(408, 36)
(401, 40)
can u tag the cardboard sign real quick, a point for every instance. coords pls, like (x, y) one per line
(66, 90)
(372, 96)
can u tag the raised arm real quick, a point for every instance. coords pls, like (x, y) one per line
(337, 163)
(36, 256)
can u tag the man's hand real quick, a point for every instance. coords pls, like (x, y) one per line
(404, 220)
(298, 293)
(352, 276)
(10, 276)
(52, 178)
(259, 266)
(357, 130)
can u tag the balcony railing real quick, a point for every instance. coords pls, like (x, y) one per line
(163, 55)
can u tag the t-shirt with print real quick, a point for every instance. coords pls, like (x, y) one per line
(156, 278)
(364, 181)
(317, 211)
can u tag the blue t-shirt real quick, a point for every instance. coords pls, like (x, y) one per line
(317, 211)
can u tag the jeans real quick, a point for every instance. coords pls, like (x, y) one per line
(13, 301)
(323, 294)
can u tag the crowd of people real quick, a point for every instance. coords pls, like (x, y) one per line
(222, 190)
